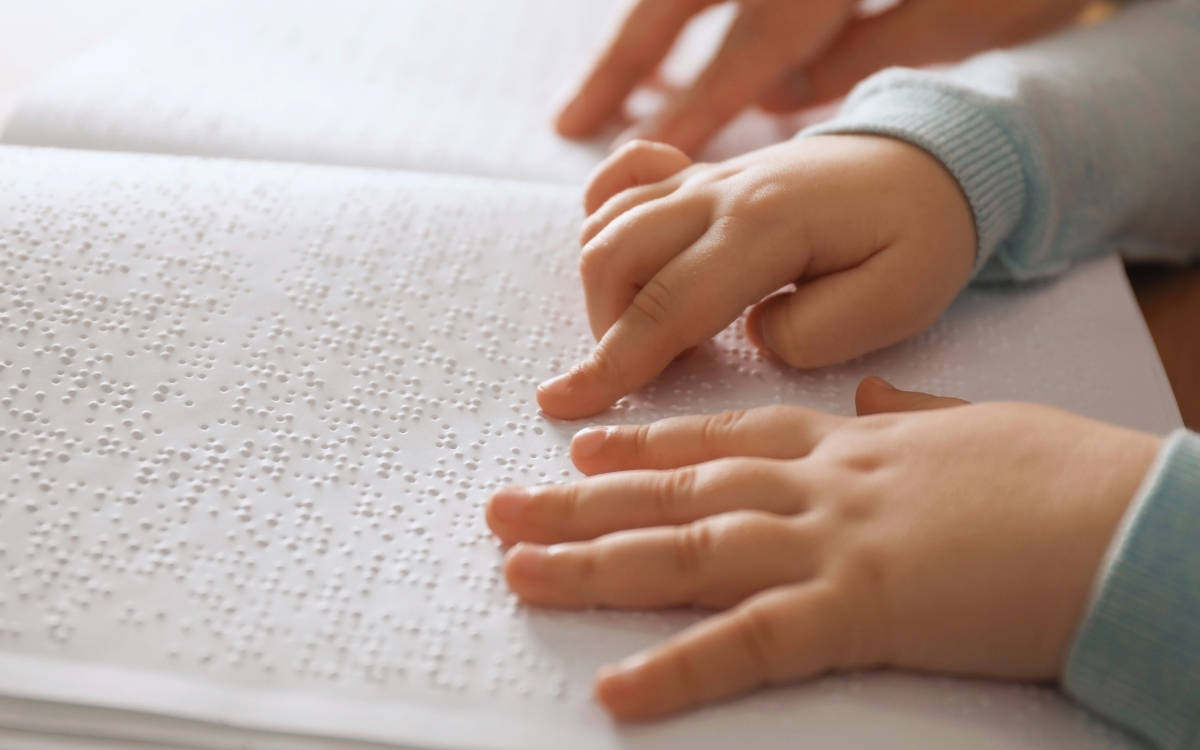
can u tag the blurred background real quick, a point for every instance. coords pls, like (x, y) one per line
(35, 36)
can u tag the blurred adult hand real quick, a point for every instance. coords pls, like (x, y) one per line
(789, 54)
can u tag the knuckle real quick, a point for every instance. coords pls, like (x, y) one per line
(685, 674)
(591, 227)
(621, 164)
(799, 422)
(860, 461)
(636, 149)
(716, 429)
(626, 212)
(640, 439)
(758, 524)
(586, 566)
(656, 303)
(569, 501)
(592, 260)
(693, 546)
(673, 489)
(606, 366)
(853, 507)
(757, 635)
(734, 528)
(594, 196)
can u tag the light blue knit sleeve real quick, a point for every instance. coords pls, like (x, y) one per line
(1073, 146)
(1136, 656)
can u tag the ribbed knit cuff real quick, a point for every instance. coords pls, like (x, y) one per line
(957, 132)
(1136, 657)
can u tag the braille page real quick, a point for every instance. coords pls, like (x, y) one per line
(249, 416)
(468, 86)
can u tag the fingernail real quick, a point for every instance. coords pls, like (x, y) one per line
(632, 663)
(528, 561)
(510, 503)
(612, 675)
(557, 383)
(624, 672)
(876, 380)
(618, 689)
(588, 442)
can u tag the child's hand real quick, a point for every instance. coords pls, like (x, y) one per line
(960, 540)
(874, 232)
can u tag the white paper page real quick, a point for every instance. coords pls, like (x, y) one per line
(467, 86)
(249, 414)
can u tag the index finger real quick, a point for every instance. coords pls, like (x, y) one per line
(690, 300)
(639, 44)
(636, 348)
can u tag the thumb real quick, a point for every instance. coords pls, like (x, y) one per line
(876, 396)
(848, 313)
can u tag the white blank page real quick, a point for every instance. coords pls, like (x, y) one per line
(467, 86)
(249, 415)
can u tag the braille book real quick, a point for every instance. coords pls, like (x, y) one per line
(251, 407)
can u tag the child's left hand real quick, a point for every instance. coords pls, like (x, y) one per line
(874, 232)
(962, 540)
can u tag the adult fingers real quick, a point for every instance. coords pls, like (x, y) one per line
(911, 34)
(760, 45)
(914, 33)
(638, 162)
(876, 396)
(767, 432)
(714, 562)
(782, 635)
(640, 499)
(848, 313)
(639, 43)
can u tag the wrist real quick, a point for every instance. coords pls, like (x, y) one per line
(957, 133)
(1136, 653)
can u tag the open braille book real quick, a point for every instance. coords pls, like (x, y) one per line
(250, 407)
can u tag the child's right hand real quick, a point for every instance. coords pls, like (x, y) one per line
(942, 537)
(874, 232)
